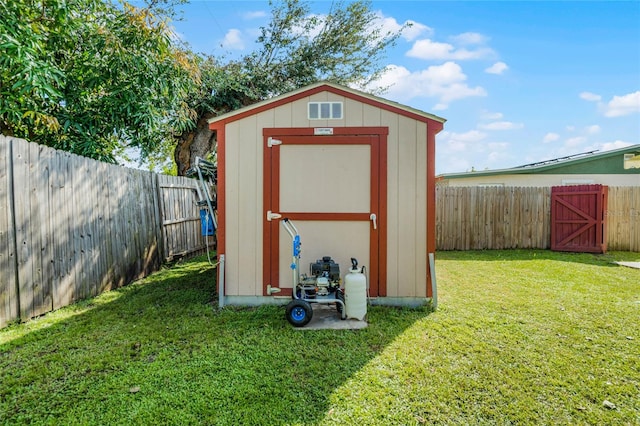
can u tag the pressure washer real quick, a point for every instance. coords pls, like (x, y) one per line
(322, 285)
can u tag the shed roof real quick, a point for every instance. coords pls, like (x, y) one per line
(569, 164)
(326, 87)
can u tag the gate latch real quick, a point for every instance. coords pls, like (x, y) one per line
(374, 219)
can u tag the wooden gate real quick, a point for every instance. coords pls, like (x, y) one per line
(578, 221)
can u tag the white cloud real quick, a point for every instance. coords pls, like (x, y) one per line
(427, 49)
(498, 145)
(497, 68)
(382, 24)
(550, 137)
(470, 38)
(411, 32)
(472, 149)
(592, 130)
(432, 50)
(470, 136)
(233, 40)
(444, 82)
(608, 146)
(254, 15)
(461, 142)
(623, 105)
(618, 106)
(501, 125)
(307, 31)
(414, 30)
(499, 152)
(588, 96)
(491, 115)
(573, 142)
(447, 73)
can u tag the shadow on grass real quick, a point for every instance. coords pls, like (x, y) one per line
(159, 352)
(606, 259)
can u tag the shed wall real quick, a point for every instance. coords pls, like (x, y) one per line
(407, 196)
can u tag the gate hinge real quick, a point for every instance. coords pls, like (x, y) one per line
(271, 142)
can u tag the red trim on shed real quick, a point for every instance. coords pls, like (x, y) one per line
(378, 253)
(221, 191)
(433, 127)
(337, 131)
(267, 105)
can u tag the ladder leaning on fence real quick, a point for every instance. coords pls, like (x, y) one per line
(206, 173)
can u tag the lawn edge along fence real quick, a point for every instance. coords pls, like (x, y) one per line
(72, 227)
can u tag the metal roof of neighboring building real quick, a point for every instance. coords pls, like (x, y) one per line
(560, 164)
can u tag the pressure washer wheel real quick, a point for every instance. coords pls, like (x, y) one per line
(339, 306)
(299, 313)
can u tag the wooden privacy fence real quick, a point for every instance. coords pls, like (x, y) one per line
(180, 217)
(72, 227)
(477, 218)
(623, 218)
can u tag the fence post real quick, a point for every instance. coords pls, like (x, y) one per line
(157, 203)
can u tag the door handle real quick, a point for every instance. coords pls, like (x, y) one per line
(374, 219)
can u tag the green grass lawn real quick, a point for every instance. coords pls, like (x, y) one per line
(519, 337)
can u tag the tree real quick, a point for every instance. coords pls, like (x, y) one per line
(295, 49)
(96, 78)
(92, 77)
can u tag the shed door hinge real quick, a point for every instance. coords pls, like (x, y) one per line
(271, 142)
(272, 290)
(271, 215)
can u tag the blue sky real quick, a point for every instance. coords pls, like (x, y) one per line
(518, 82)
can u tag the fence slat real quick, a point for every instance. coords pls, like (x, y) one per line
(22, 216)
(8, 285)
(102, 207)
(61, 191)
(41, 232)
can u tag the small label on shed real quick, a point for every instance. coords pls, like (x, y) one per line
(323, 131)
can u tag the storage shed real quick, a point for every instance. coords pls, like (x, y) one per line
(354, 172)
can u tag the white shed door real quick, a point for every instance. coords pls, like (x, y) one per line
(328, 186)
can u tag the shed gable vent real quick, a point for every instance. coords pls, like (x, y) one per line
(325, 110)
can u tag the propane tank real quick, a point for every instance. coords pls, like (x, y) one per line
(355, 292)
